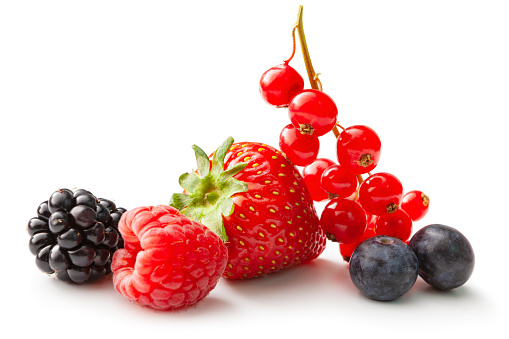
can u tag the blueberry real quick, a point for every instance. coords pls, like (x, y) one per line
(446, 258)
(383, 268)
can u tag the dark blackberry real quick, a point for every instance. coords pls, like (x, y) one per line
(74, 235)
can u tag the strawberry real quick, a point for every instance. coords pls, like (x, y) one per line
(257, 201)
(169, 261)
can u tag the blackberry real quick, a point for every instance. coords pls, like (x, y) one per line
(74, 235)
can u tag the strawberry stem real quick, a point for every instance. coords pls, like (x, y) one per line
(313, 79)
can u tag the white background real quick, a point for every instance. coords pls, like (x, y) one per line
(110, 95)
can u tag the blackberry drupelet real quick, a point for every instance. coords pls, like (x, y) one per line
(74, 235)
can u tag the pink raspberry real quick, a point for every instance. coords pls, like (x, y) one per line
(169, 261)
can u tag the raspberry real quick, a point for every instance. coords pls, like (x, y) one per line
(169, 260)
(75, 235)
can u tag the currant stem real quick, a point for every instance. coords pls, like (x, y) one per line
(313, 80)
(294, 46)
(305, 51)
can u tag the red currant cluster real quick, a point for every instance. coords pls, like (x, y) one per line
(358, 209)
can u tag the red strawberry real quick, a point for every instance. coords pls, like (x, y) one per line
(258, 202)
(169, 261)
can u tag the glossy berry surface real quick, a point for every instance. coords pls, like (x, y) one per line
(343, 220)
(446, 257)
(416, 204)
(338, 182)
(300, 149)
(68, 239)
(346, 249)
(397, 224)
(273, 224)
(279, 84)
(312, 174)
(169, 260)
(381, 193)
(383, 268)
(313, 112)
(358, 148)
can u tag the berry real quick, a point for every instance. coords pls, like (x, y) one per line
(343, 220)
(61, 199)
(346, 249)
(416, 204)
(313, 112)
(381, 193)
(300, 149)
(280, 84)
(312, 174)
(358, 148)
(258, 202)
(383, 268)
(446, 257)
(67, 239)
(169, 260)
(397, 225)
(338, 182)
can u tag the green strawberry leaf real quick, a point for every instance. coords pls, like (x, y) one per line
(202, 160)
(189, 181)
(228, 174)
(219, 154)
(180, 200)
(209, 194)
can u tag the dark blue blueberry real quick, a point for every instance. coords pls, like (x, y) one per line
(383, 268)
(446, 258)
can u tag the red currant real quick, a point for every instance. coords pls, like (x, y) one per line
(313, 112)
(300, 149)
(346, 250)
(359, 148)
(343, 220)
(397, 224)
(339, 182)
(312, 174)
(416, 204)
(381, 193)
(280, 84)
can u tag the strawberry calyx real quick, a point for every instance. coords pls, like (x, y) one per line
(209, 190)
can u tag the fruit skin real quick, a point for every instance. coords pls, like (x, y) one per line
(73, 237)
(383, 268)
(312, 174)
(446, 257)
(397, 224)
(169, 260)
(272, 224)
(359, 148)
(381, 193)
(279, 84)
(338, 182)
(313, 112)
(343, 220)
(300, 149)
(415, 204)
